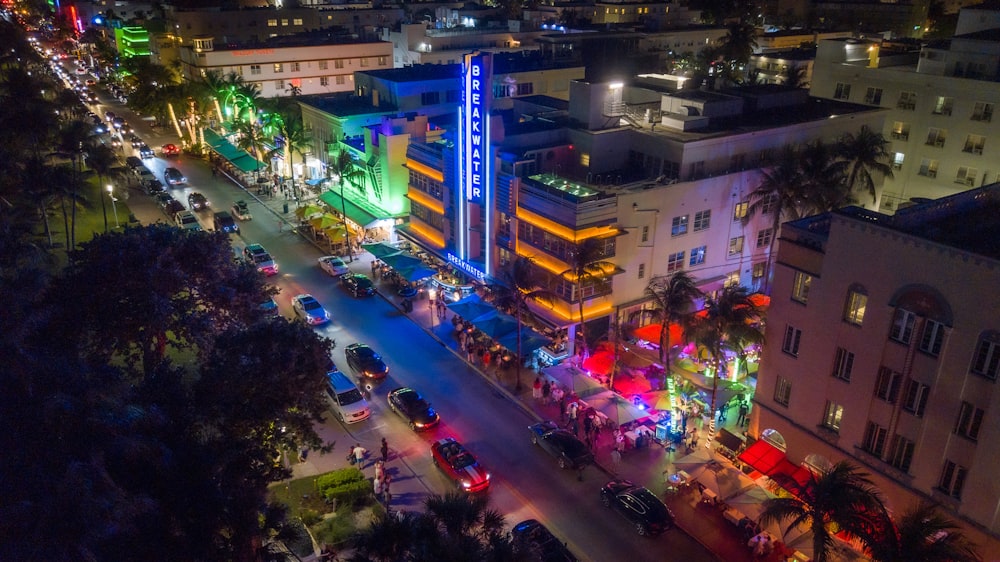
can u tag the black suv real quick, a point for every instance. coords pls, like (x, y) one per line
(358, 284)
(365, 361)
(197, 201)
(224, 221)
(640, 506)
(542, 545)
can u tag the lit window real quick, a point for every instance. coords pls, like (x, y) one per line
(843, 364)
(800, 287)
(702, 220)
(736, 246)
(986, 361)
(697, 256)
(279, 67)
(679, 225)
(969, 422)
(284, 22)
(296, 21)
(857, 302)
(932, 337)
(740, 212)
(832, 416)
(272, 23)
(952, 479)
(783, 391)
(902, 325)
(790, 343)
(364, 62)
(383, 60)
(758, 270)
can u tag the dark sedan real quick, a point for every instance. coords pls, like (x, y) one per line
(540, 543)
(640, 506)
(413, 408)
(567, 448)
(358, 284)
(365, 361)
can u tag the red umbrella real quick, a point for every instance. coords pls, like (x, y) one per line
(651, 333)
(600, 363)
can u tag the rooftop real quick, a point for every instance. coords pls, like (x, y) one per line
(419, 73)
(345, 104)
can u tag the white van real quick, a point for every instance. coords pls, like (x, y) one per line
(348, 403)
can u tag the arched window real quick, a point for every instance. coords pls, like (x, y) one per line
(773, 437)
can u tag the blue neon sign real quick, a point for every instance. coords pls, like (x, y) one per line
(466, 267)
(476, 109)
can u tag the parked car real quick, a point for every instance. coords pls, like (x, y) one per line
(542, 545)
(333, 265)
(269, 307)
(171, 150)
(365, 362)
(225, 222)
(567, 448)
(146, 152)
(153, 186)
(187, 220)
(241, 210)
(412, 407)
(173, 207)
(308, 309)
(255, 254)
(460, 465)
(173, 176)
(145, 175)
(162, 199)
(640, 506)
(198, 202)
(348, 402)
(358, 284)
(133, 162)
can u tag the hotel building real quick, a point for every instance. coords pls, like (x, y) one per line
(884, 349)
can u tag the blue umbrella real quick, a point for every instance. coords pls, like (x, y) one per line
(381, 249)
(471, 307)
(401, 261)
(415, 273)
(495, 325)
(530, 341)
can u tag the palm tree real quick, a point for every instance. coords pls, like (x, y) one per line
(297, 141)
(864, 157)
(922, 533)
(251, 140)
(823, 185)
(102, 160)
(73, 141)
(519, 285)
(728, 318)
(737, 47)
(586, 266)
(671, 298)
(843, 498)
(343, 166)
(780, 194)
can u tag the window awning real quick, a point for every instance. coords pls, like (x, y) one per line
(247, 164)
(354, 213)
(790, 477)
(763, 456)
(213, 139)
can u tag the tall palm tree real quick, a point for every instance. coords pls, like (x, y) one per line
(519, 285)
(922, 533)
(737, 47)
(343, 166)
(672, 299)
(74, 140)
(824, 187)
(251, 140)
(102, 162)
(728, 317)
(864, 157)
(587, 264)
(297, 141)
(780, 194)
(843, 498)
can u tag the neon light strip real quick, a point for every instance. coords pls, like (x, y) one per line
(459, 193)
(487, 189)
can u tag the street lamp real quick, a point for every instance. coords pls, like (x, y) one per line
(104, 209)
(114, 206)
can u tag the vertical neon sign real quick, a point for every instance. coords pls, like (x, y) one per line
(475, 159)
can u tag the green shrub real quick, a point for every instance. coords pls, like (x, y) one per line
(310, 517)
(352, 493)
(338, 478)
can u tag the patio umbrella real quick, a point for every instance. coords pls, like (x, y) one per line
(632, 357)
(616, 408)
(380, 249)
(335, 233)
(651, 333)
(415, 273)
(530, 341)
(725, 480)
(575, 380)
(401, 261)
(695, 461)
(307, 211)
(658, 400)
(471, 307)
(495, 325)
(751, 502)
(325, 221)
(600, 363)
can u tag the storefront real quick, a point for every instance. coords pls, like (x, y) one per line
(372, 224)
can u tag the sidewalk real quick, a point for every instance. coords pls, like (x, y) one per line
(648, 466)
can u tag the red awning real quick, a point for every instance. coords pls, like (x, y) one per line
(652, 333)
(790, 477)
(763, 456)
(600, 363)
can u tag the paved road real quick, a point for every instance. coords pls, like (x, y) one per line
(527, 482)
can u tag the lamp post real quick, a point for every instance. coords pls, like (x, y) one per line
(104, 209)
(114, 206)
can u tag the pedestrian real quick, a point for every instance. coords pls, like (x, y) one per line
(380, 469)
(572, 410)
(386, 495)
(546, 391)
(744, 410)
(385, 450)
(616, 460)
(487, 357)
(588, 424)
(359, 455)
(536, 389)
(377, 486)
(560, 397)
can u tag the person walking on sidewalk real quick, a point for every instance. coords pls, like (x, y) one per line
(359, 455)
(744, 410)
(536, 389)
(546, 392)
(385, 450)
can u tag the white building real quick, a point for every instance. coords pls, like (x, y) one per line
(941, 99)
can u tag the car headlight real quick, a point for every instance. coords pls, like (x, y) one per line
(466, 484)
(418, 424)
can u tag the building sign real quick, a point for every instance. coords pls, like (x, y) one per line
(476, 134)
(466, 266)
(252, 52)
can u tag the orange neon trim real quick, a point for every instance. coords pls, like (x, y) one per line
(425, 170)
(425, 200)
(434, 237)
(571, 312)
(562, 231)
(560, 268)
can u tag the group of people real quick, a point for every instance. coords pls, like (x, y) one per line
(479, 353)
(382, 480)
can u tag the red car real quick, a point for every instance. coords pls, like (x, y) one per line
(460, 465)
(171, 150)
